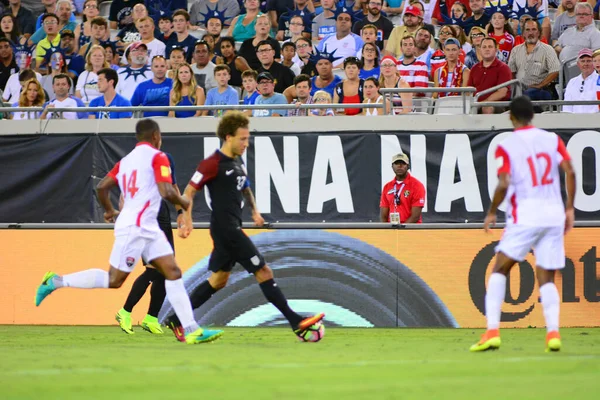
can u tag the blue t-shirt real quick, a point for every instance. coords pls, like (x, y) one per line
(252, 98)
(277, 98)
(75, 63)
(367, 74)
(329, 88)
(149, 93)
(214, 98)
(118, 101)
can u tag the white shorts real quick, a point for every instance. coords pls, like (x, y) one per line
(547, 242)
(133, 243)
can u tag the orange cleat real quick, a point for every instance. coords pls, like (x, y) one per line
(553, 342)
(490, 340)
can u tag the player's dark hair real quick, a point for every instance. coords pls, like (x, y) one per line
(145, 128)
(230, 123)
(521, 109)
(110, 75)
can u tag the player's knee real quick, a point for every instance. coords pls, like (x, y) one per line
(172, 273)
(115, 282)
(218, 280)
(264, 274)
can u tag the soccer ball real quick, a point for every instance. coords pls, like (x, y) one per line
(313, 334)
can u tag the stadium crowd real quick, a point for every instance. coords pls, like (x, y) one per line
(71, 53)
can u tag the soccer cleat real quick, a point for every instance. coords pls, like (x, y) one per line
(553, 342)
(490, 340)
(124, 319)
(45, 288)
(203, 336)
(177, 331)
(308, 322)
(151, 325)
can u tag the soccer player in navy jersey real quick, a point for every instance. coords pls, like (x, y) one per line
(224, 174)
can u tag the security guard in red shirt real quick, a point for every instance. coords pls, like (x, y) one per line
(402, 198)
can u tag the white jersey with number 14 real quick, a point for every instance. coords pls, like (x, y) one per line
(532, 157)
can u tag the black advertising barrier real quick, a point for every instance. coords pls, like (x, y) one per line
(296, 177)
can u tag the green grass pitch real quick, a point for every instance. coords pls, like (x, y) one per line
(48, 362)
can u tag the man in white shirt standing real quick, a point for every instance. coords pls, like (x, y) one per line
(584, 86)
(61, 84)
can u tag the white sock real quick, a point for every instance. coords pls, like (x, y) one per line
(181, 303)
(494, 298)
(88, 279)
(551, 305)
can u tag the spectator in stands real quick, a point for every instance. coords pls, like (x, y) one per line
(49, 7)
(413, 71)
(476, 35)
(343, 42)
(87, 84)
(324, 23)
(145, 26)
(159, 8)
(129, 33)
(15, 84)
(202, 8)
(501, 30)
(349, 90)
(595, 61)
(83, 32)
(99, 31)
(223, 94)
(108, 79)
(584, 86)
(54, 64)
(302, 85)
(276, 8)
(214, 27)
(249, 82)
(394, 9)
(452, 73)
(155, 91)
(295, 29)
(534, 64)
(413, 20)
(430, 11)
(479, 17)
(305, 25)
(383, 25)
(186, 92)
(535, 9)
(52, 39)
(288, 51)
(243, 27)
(390, 79)
(110, 50)
(203, 68)
(403, 198)
(137, 70)
(165, 27)
(422, 50)
(322, 97)
(63, 13)
(564, 20)
(62, 89)
(248, 47)
(488, 73)
(302, 57)
(584, 35)
(74, 62)
(324, 80)
(459, 13)
(121, 13)
(31, 96)
(283, 76)
(439, 57)
(181, 37)
(372, 96)
(370, 61)
(237, 64)
(368, 34)
(176, 59)
(266, 84)
(10, 30)
(8, 65)
(24, 17)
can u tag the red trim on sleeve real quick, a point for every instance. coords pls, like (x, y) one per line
(207, 170)
(501, 153)
(115, 171)
(138, 221)
(162, 168)
(562, 150)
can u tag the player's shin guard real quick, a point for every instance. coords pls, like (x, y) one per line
(88, 279)
(551, 305)
(494, 298)
(180, 301)
(276, 297)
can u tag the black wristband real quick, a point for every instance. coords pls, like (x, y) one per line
(180, 211)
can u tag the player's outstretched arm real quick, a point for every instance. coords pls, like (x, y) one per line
(499, 195)
(103, 192)
(258, 219)
(567, 167)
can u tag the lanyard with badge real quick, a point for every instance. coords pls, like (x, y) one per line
(395, 216)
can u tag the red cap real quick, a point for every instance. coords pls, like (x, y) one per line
(416, 11)
(392, 59)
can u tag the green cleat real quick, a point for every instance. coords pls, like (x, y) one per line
(151, 325)
(490, 340)
(45, 288)
(124, 319)
(203, 336)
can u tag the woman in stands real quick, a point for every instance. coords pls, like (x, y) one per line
(242, 26)
(500, 29)
(237, 64)
(110, 50)
(54, 63)
(32, 95)
(452, 73)
(87, 84)
(350, 90)
(296, 30)
(186, 92)
(370, 61)
(9, 28)
(372, 96)
(390, 79)
(83, 32)
(476, 35)
(438, 58)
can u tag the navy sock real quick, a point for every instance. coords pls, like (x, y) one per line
(138, 289)
(276, 297)
(157, 294)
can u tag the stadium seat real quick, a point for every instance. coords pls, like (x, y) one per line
(198, 34)
(450, 105)
(104, 9)
(423, 105)
(568, 70)
(552, 14)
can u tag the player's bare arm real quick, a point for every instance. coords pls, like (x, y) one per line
(184, 221)
(103, 192)
(249, 197)
(567, 167)
(168, 193)
(499, 195)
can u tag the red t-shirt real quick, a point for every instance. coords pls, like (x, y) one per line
(408, 193)
(482, 78)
